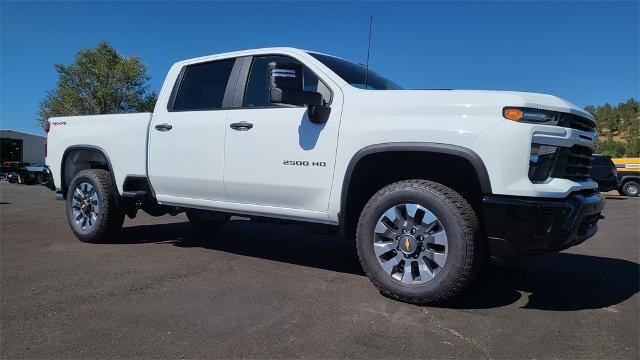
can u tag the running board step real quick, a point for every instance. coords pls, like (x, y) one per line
(136, 195)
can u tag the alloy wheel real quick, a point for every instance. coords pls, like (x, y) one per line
(85, 206)
(410, 244)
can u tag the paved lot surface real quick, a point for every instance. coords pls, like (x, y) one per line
(256, 290)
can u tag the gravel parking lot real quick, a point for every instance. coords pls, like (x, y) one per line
(254, 290)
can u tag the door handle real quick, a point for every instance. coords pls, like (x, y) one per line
(163, 127)
(241, 126)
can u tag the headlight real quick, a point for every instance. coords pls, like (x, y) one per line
(530, 115)
(542, 159)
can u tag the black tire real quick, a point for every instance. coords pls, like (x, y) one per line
(465, 248)
(30, 180)
(109, 217)
(207, 220)
(630, 188)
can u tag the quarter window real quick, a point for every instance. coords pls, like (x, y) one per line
(203, 86)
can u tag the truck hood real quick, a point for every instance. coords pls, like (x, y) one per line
(470, 99)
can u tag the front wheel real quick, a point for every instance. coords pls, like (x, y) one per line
(630, 188)
(418, 241)
(92, 211)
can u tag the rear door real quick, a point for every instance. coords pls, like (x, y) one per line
(280, 158)
(186, 139)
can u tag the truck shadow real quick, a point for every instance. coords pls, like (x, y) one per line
(557, 282)
(289, 243)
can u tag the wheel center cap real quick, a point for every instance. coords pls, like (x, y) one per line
(85, 208)
(407, 244)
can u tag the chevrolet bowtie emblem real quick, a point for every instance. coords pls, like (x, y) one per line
(407, 244)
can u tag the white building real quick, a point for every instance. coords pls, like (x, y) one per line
(21, 146)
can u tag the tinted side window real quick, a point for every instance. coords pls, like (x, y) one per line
(257, 91)
(598, 161)
(203, 85)
(601, 161)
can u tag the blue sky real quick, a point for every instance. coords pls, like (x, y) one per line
(586, 52)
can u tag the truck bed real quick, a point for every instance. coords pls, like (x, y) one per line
(121, 137)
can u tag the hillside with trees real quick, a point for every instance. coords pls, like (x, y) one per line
(618, 127)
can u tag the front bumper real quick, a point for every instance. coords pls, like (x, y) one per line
(523, 226)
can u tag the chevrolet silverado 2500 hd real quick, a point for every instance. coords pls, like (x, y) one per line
(430, 183)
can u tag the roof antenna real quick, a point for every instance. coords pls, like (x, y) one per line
(366, 69)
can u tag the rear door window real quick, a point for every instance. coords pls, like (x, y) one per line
(203, 86)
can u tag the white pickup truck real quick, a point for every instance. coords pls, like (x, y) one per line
(430, 183)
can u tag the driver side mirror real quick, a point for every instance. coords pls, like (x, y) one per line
(286, 86)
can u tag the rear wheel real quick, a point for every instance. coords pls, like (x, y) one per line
(92, 211)
(418, 241)
(630, 188)
(204, 219)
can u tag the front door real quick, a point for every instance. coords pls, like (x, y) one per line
(275, 156)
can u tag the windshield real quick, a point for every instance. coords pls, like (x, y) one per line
(354, 74)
